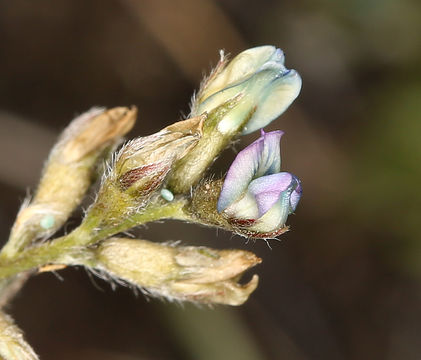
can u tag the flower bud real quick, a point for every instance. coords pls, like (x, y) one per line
(258, 78)
(197, 274)
(143, 163)
(255, 197)
(68, 172)
(92, 131)
(140, 168)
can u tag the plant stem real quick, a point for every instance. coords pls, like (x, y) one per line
(83, 236)
(173, 210)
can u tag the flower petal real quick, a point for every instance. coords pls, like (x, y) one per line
(268, 189)
(275, 216)
(270, 156)
(275, 98)
(260, 158)
(295, 197)
(245, 208)
(242, 67)
(262, 84)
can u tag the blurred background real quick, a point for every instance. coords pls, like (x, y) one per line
(345, 282)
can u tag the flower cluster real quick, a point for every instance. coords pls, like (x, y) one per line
(156, 177)
(164, 175)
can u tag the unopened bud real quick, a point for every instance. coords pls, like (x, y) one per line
(92, 131)
(259, 77)
(140, 168)
(144, 162)
(197, 274)
(68, 172)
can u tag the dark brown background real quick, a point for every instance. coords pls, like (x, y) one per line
(345, 282)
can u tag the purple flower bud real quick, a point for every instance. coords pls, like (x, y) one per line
(262, 157)
(255, 194)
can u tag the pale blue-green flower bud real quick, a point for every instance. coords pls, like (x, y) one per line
(259, 80)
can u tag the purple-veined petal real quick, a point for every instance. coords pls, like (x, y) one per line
(260, 158)
(276, 216)
(264, 193)
(268, 189)
(295, 197)
(270, 155)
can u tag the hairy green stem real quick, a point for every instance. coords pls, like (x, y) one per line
(156, 211)
(81, 237)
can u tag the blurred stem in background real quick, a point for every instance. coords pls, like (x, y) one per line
(209, 334)
(388, 159)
